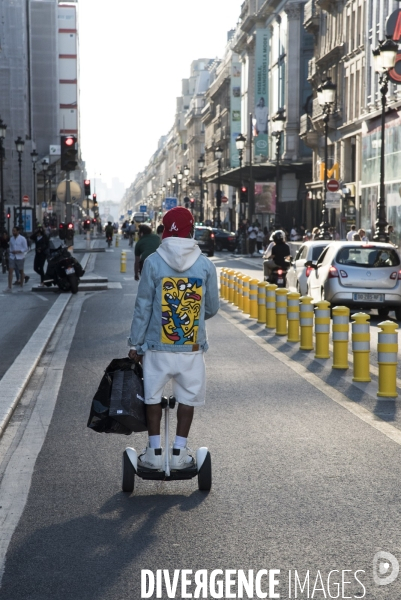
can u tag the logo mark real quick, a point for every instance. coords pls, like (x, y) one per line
(385, 568)
(174, 227)
(261, 144)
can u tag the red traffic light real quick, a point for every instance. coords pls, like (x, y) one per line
(192, 200)
(243, 189)
(87, 181)
(70, 226)
(94, 196)
(69, 141)
(61, 226)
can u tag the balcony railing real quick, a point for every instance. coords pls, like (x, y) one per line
(311, 16)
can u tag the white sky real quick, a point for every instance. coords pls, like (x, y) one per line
(133, 55)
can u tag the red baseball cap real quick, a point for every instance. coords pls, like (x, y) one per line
(177, 222)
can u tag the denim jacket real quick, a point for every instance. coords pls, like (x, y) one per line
(177, 292)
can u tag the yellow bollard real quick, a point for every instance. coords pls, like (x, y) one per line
(306, 322)
(387, 355)
(222, 282)
(237, 284)
(253, 298)
(340, 337)
(271, 306)
(123, 267)
(245, 294)
(240, 291)
(361, 347)
(136, 237)
(322, 329)
(293, 316)
(117, 240)
(281, 311)
(262, 302)
(225, 296)
(230, 296)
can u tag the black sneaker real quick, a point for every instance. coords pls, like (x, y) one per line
(16, 282)
(26, 278)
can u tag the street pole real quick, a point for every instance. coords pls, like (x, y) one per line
(278, 150)
(218, 194)
(251, 197)
(19, 143)
(326, 97)
(381, 220)
(3, 128)
(34, 156)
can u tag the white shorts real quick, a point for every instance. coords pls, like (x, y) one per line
(186, 369)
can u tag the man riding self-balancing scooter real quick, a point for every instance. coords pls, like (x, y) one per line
(177, 292)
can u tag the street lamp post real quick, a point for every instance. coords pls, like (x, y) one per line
(384, 58)
(174, 181)
(201, 165)
(218, 153)
(326, 94)
(278, 127)
(19, 144)
(34, 156)
(179, 177)
(240, 144)
(3, 128)
(44, 169)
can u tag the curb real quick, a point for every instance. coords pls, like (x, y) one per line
(17, 377)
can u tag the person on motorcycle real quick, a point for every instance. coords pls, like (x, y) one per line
(279, 252)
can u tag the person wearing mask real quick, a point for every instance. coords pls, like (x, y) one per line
(41, 247)
(178, 291)
(147, 244)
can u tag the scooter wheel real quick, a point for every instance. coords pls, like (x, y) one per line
(128, 483)
(205, 474)
(164, 402)
(171, 402)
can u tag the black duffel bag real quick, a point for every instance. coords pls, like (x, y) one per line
(118, 405)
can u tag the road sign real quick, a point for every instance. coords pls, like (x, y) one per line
(224, 199)
(333, 185)
(44, 204)
(143, 208)
(129, 212)
(333, 199)
(50, 209)
(170, 203)
(25, 198)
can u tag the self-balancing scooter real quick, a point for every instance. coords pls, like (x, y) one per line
(202, 467)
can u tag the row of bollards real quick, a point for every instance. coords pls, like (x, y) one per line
(296, 317)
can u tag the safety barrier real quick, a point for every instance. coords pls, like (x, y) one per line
(361, 347)
(281, 311)
(271, 306)
(292, 315)
(123, 264)
(322, 329)
(387, 350)
(262, 301)
(306, 322)
(340, 337)
(117, 241)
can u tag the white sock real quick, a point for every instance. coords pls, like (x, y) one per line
(180, 442)
(154, 441)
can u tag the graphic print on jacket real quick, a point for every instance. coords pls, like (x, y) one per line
(181, 304)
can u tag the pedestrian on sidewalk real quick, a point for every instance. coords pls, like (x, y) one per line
(177, 293)
(41, 248)
(252, 233)
(4, 246)
(18, 250)
(259, 239)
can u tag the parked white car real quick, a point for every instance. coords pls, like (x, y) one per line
(298, 273)
(358, 275)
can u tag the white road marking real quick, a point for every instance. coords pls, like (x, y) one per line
(363, 414)
(42, 297)
(16, 482)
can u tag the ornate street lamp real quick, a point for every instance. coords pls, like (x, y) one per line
(218, 153)
(186, 170)
(19, 144)
(34, 156)
(3, 128)
(384, 58)
(277, 129)
(326, 94)
(201, 165)
(240, 144)
(44, 171)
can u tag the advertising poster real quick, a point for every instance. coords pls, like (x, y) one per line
(260, 111)
(235, 116)
(265, 197)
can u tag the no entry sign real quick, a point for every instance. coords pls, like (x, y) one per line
(333, 185)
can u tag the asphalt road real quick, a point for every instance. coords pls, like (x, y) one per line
(299, 481)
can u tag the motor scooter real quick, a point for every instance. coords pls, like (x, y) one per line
(63, 269)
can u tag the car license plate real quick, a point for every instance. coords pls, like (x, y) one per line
(280, 280)
(70, 271)
(369, 297)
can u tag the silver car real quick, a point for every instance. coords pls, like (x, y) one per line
(358, 275)
(298, 273)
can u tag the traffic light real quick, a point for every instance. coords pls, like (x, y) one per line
(62, 231)
(244, 194)
(218, 197)
(68, 152)
(94, 198)
(8, 213)
(87, 224)
(70, 231)
(186, 202)
(87, 187)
